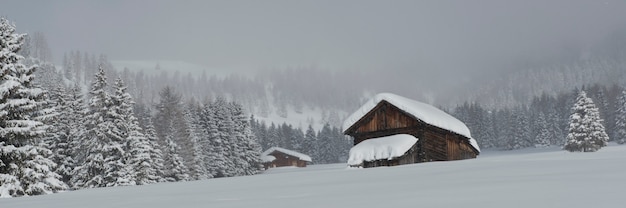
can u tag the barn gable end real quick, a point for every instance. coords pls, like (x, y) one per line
(384, 120)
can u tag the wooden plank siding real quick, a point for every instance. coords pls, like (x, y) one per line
(434, 143)
(384, 116)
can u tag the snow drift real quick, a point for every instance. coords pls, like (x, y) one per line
(388, 147)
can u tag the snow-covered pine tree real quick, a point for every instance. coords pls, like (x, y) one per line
(285, 137)
(215, 159)
(247, 149)
(25, 167)
(220, 132)
(309, 143)
(125, 125)
(156, 155)
(504, 128)
(77, 110)
(554, 124)
(166, 111)
(520, 137)
(90, 158)
(270, 137)
(341, 145)
(544, 135)
(61, 141)
(169, 116)
(324, 145)
(586, 133)
(298, 139)
(620, 119)
(262, 135)
(102, 143)
(601, 101)
(138, 161)
(198, 169)
(175, 169)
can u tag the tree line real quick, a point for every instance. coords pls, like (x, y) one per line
(546, 121)
(328, 145)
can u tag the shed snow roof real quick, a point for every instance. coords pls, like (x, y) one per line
(267, 158)
(381, 148)
(300, 156)
(422, 111)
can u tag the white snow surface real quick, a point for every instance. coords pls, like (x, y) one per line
(286, 151)
(422, 111)
(538, 177)
(267, 158)
(388, 147)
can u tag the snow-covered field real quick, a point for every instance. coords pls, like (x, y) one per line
(525, 178)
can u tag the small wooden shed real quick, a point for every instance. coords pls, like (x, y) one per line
(280, 157)
(437, 136)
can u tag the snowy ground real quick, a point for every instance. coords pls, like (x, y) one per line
(526, 178)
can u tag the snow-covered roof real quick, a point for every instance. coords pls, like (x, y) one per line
(267, 158)
(266, 154)
(424, 112)
(388, 147)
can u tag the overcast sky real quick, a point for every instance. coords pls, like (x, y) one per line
(438, 37)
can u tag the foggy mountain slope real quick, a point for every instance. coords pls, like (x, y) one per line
(573, 66)
(309, 95)
(519, 87)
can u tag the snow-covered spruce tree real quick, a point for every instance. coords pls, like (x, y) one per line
(219, 127)
(271, 136)
(166, 111)
(75, 116)
(554, 123)
(544, 134)
(121, 113)
(61, 142)
(175, 169)
(324, 145)
(25, 167)
(115, 145)
(620, 119)
(521, 129)
(102, 143)
(586, 133)
(214, 160)
(198, 170)
(298, 139)
(260, 132)
(225, 134)
(155, 153)
(600, 99)
(138, 162)
(247, 150)
(309, 143)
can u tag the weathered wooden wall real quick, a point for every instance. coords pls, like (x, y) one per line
(385, 116)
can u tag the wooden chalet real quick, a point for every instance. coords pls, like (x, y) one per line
(437, 135)
(280, 157)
